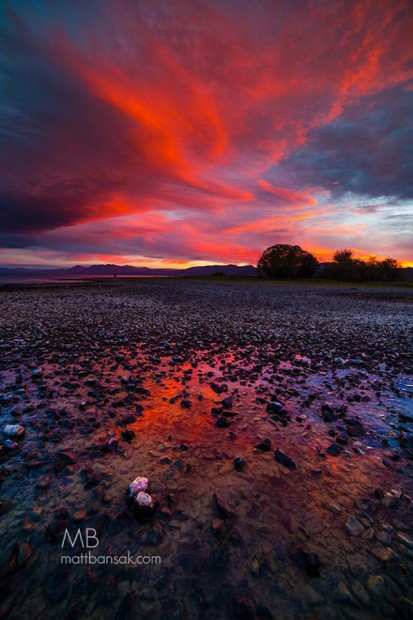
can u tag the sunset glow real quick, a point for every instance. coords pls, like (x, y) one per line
(199, 132)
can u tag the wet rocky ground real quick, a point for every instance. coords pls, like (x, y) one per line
(273, 422)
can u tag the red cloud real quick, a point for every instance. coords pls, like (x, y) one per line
(170, 112)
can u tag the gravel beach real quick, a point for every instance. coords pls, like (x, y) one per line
(274, 425)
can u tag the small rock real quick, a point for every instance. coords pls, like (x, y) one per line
(376, 585)
(10, 445)
(274, 407)
(384, 553)
(138, 485)
(264, 445)
(405, 540)
(239, 463)
(343, 594)
(307, 560)
(384, 537)
(353, 526)
(128, 435)
(222, 422)
(223, 506)
(284, 460)
(334, 449)
(13, 430)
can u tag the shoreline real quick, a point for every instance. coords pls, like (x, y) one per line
(273, 429)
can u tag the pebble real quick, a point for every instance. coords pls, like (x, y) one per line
(334, 449)
(275, 407)
(13, 430)
(405, 540)
(376, 585)
(139, 484)
(10, 445)
(239, 463)
(342, 594)
(223, 507)
(222, 422)
(284, 460)
(384, 553)
(307, 560)
(264, 445)
(353, 526)
(128, 435)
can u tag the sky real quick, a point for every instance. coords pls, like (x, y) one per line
(184, 132)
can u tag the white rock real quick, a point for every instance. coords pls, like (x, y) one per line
(143, 499)
(13, 430)
(138, 485)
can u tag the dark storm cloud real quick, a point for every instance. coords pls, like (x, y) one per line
(367, 151)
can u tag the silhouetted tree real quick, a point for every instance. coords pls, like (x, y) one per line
(286, 261)
(345, 267)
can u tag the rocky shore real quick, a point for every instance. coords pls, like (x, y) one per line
(273, 425)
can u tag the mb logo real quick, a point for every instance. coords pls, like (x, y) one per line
(88, 539)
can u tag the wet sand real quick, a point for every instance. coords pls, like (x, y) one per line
(275, 426)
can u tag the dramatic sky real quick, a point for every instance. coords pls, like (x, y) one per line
(197, 131)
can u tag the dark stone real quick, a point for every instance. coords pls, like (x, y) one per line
(128, 435)
(239, 463)
(334, 449)
(275, 407)
(308, 561)
(222, 423)
(405, 418)
(66, 457)
(264, 445)
(284, 460)
(223, 507)
(227, 402)
(355, 428)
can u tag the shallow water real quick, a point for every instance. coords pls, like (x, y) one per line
(255, 563)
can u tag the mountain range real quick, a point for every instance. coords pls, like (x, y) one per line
(128, 270)
(109, 270)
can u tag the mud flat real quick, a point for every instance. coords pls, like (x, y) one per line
(274, 424)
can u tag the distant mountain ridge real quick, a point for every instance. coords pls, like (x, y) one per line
(129, 270)
(109, 270)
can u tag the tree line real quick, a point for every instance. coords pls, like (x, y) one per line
(290, 261)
